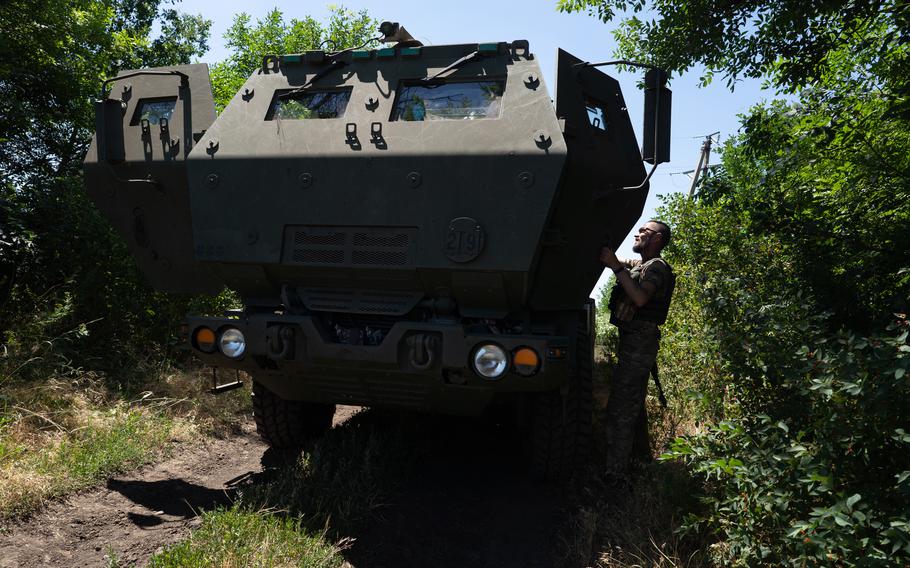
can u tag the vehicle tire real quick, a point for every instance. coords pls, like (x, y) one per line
(287, 424)
(560, 433)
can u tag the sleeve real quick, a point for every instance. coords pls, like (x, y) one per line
(655, 272)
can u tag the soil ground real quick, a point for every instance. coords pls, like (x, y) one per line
(468, 502)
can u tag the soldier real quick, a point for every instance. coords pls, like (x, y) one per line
(638, 306)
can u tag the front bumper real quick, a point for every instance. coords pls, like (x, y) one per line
(294, 357)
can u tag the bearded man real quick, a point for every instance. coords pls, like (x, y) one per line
(638, 306)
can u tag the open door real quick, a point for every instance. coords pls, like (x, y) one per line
(592, 208)
(135, 169)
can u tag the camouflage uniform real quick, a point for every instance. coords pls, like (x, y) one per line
(639, 338)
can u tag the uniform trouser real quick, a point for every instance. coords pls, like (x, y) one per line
(638, 343)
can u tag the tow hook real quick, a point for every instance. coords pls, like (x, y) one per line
(281, 342)
(422, 349)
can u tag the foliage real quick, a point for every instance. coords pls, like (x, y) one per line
(82, 448)
(71, 294)
(829, 485)
(798, 238)
(793, 42)
(294, 509)
(792, 262)
(273, 36)
(238, 537)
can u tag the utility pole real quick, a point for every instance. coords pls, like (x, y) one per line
(703, 159)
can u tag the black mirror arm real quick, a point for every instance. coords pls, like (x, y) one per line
(642, 184)
(620, 62)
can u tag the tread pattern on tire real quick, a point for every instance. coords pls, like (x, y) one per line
(561, 422)
(288, 423)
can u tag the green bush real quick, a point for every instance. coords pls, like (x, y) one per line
(829, 485)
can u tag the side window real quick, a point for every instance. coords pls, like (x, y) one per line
(448, 101)
(597, 114)
(153, 110)
(309, 104)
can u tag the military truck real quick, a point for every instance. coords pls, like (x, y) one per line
(410, 226)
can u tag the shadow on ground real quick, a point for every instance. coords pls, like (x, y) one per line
(175, 498)
(464, 500)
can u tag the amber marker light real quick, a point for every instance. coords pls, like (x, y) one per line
(525, 361)
(204, 339)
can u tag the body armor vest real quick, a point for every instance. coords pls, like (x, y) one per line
(623, 309)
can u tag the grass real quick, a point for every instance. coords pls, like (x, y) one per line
(238, 537)
(299, 513)
(38, 465)
(60, 436)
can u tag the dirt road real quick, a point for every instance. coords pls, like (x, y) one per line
(468, 503)
(134, 515)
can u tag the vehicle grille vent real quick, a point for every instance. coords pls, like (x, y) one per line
(317, 256)
(359, 301)
(350, 246)
(302, 238)
(379, 257)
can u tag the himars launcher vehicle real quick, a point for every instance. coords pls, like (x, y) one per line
(412, 226)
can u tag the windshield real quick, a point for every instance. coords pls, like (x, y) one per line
(309, 104)
(449, 101)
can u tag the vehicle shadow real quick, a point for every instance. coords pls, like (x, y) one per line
(464, 499)
(174, 498)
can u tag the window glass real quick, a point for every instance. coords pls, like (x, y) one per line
(309, 104)
(153, 110)
(597, 115)
(449, 101)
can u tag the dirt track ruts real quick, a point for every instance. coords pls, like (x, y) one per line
(468, 503)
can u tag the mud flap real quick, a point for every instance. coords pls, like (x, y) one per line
(135, 169)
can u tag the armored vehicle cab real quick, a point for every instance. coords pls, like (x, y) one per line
(411, 226)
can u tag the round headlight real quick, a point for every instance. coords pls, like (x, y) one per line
(232, 343)
(490, 361)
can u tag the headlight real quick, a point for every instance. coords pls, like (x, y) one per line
(232, 343)
(490, 361)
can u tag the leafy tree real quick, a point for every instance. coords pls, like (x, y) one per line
(64, 273)
(793, 260)
(274, 36)
(794, 42)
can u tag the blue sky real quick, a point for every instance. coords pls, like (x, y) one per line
(696, 111)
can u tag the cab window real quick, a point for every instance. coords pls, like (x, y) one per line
(153, 110)
(597, 114)
(448, 101)
(309, 104)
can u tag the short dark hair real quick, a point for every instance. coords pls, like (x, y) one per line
(663, 229)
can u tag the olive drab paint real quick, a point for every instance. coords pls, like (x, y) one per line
(364, 198)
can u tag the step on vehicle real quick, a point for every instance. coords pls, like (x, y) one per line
(413, 226)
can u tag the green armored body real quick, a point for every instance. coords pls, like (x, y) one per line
(413, 226)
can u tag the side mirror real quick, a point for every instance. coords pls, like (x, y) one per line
(109, 131)
(656, 133)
